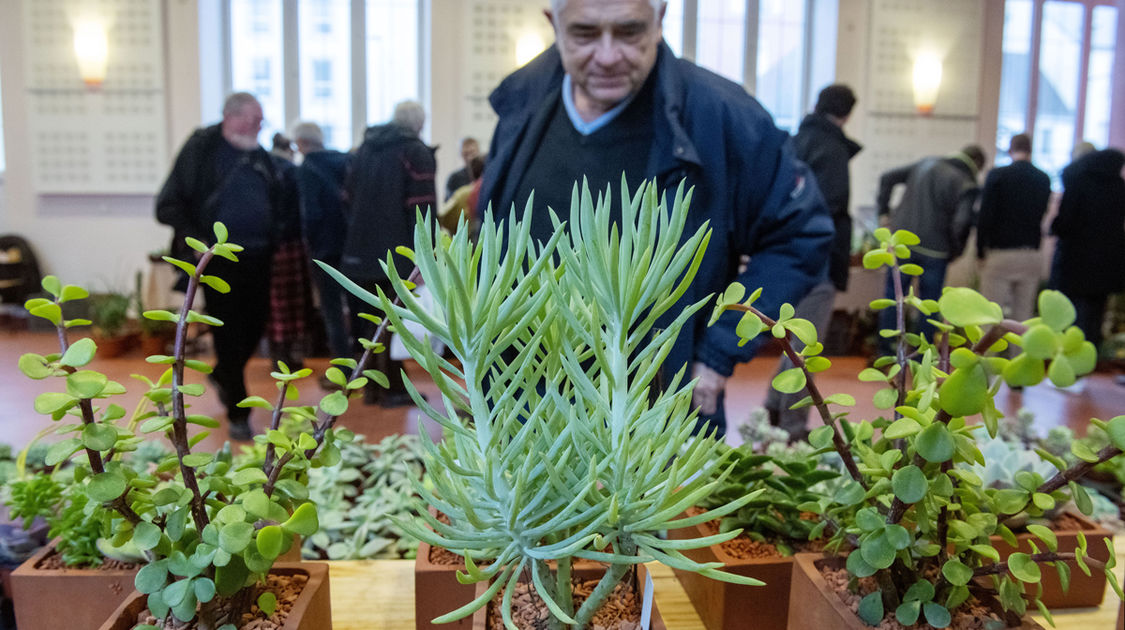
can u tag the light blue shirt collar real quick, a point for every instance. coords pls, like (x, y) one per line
(583, 127)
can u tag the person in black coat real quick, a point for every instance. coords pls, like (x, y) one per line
(1090, 227)
(392, 176)
(820, 142)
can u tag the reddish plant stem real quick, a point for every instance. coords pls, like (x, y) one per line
(1002, 567)
(275, 422)
(838, 442)
(1078, 470)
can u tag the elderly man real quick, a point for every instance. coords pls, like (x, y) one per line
(611, 98)
(222, 174)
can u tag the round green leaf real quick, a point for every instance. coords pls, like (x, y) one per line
(1082, 451)
(79, 353)
(1024, 371)
(267, 602)
(1061, 373)
(1115, 428)
(790, 381)
(877, 551)
(270, 541)
(936, 614)
(965, 392)
(248, 476)
(850, 493)
(1056, 310)
(105, 487)
(859, 567)
(748, 327)
(1046, 535)
(235, 537)
(871, 608)
(957, 572)
(196, 460)
(146, 535)
(885, 398)
(151, 578)
(965, 307)
(1081, 498)
(304, 520)
(910, 484)
(907, 612)
(51, 402)
(86, 383)
(232, 513)
(935, 443)
(1010, 500)
(99, 437)
(61, 451)
(34, 366)
(903, 427)
(1024, 568)
(204, 589)
(1039, 342)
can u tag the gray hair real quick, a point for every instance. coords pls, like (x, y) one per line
(411, 115)
(1082, 148)
(235, 102)
(558, 5)
(308, 131)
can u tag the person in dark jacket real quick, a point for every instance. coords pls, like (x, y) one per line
(937, 206)
(1013, 202)
(820, 142)
(609, 98)
(392, 176)
(470, 150)
(290, 285)
(324, 205)
(222, 174)
(1090, 226)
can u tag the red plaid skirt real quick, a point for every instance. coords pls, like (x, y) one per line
(290, 293)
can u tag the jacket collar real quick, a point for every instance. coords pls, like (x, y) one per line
(822, 123)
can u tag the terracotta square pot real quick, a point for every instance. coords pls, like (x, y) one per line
(45, 599)
(726, 606)
(437, 591)
(590, 571)
(812, 604)
(1085, 590)
(312, 611)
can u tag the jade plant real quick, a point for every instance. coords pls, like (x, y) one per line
(918, 520)
(209, 530)
(559, 445)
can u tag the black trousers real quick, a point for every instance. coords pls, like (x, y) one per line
(243, 311)
(363, 329)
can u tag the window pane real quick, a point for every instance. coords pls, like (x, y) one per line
(1100, 77)
(1059, 65)
(1015, 75)
(781, 52)
(673, 26)
(721, 36)
(392, 56)
(324, 29)
(256, 59)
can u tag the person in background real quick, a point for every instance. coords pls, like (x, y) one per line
(1012, 204)
(324, 205)
(392, 176)
(937, 206)
(1089, 262)
(290, 285)
(820, 142)
(470, 149)
(222, 174)
(282, 147)
(461, 203)
(610, 98)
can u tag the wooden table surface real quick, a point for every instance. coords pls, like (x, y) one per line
(379, 595)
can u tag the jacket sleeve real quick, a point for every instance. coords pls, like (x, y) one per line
(986, 223)
(962, 222)
(830, 164)
(887, 183)
(177, 204)
(789, 237)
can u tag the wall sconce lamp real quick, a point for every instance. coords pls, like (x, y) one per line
(927, 82)
(91, 49)
(527, 47)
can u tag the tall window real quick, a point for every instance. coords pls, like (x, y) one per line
(790, 46)
(299, 56)
(1056, 77)
(256, 58)
(392, 56)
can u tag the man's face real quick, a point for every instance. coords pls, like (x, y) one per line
(241, 128)
(469, 150)
(608, 47)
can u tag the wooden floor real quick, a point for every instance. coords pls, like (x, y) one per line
(1096, 396)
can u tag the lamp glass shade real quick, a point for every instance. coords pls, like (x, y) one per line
(927, 82)
(91, 50)
(527, 47)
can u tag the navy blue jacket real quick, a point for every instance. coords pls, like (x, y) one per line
(320, 180)
(758, 197)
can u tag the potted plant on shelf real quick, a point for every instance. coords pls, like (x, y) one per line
(210, 531)
(918, 522)
(774, 526)
(559, 448)
(110, 315)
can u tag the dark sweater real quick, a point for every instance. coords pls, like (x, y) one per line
(565, 156)
(1012, 206)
